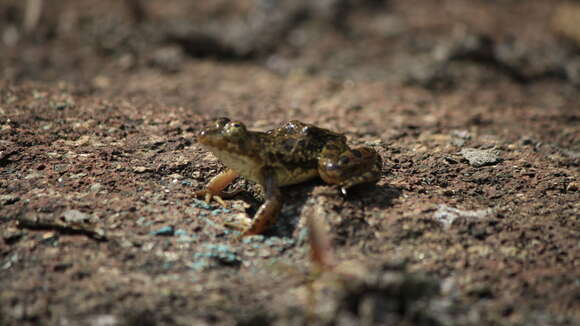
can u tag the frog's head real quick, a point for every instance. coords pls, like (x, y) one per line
(225, 135)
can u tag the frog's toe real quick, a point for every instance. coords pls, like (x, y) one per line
(242, 225)
(258, 226)
(208, 196)
(219, 200)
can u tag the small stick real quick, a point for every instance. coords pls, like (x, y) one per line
(321, 253)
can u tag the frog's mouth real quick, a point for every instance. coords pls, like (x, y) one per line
(225, 149)
(215, 144)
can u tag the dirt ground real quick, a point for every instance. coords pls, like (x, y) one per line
(474, 107)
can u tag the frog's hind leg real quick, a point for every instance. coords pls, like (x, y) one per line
(350, 167)
(215, 187)
(268, 212)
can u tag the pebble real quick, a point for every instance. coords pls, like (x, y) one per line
(164, 231)
(139, 169)
(446, 214)
(75, 216)
(481, 157)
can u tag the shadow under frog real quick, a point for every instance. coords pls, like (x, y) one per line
(364, 196)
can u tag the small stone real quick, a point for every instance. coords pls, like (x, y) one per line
(75, 216)
(253, 238)
(481, 157)
(164, 231)
(572, 186)
(446, 214)
(265, 252)
(78, 175)
(104, 320)
(139, 169)
(148, 246)
(180, 232)
(48, 235)
(33, 175)
(96, 187)
(82, 141)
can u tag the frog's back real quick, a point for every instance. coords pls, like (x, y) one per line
(294, 149)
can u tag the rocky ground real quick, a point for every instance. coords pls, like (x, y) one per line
(473, 106)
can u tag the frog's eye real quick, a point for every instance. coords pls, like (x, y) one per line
(235, 128)
(221, 122)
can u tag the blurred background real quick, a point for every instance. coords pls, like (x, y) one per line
(433, 44)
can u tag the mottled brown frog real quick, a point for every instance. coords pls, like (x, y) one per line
(290, 154)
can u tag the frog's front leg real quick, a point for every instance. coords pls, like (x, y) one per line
(349, 167)
(268, 212)
(216, 185)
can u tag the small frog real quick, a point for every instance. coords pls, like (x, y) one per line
(290, 154)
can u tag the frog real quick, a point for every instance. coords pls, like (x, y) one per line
(291, 154)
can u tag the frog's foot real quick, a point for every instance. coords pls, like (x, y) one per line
(215, 187)
(219, 197)
(264, 219)
(208, 196)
